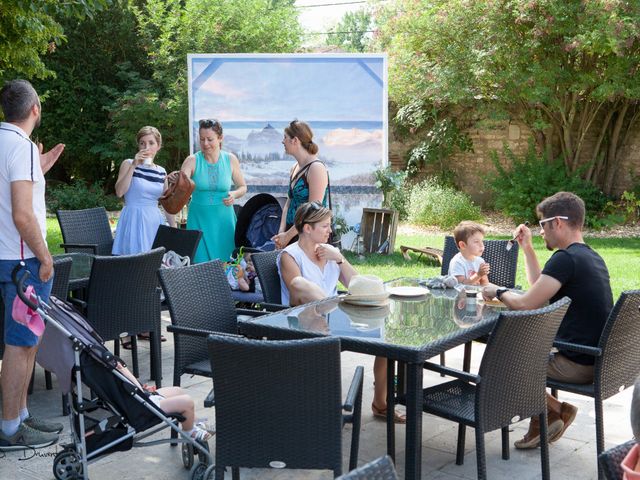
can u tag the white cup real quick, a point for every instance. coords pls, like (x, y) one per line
(147, 161)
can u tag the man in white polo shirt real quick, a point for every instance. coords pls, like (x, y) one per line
(22, 237)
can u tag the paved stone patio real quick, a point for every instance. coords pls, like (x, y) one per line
(573, 457)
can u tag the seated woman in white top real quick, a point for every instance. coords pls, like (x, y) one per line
(310, 269)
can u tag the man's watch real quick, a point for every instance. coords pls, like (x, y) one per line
(500, 291)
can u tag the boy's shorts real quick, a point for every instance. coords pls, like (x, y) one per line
(15, 333)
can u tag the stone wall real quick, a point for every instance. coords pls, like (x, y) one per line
(470, 167)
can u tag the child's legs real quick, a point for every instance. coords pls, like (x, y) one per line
(182, 404)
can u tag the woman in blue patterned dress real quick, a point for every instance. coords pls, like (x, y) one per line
(308, 178)
(214, 171)
(141, 182)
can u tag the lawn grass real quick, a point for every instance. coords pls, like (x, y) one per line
(622, 256)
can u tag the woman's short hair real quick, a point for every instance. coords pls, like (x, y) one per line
(212, 124)
(310, 213)
(564, 204)
(302, 131)
(148, 130)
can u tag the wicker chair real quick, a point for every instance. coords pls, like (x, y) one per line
(59, 289)
(62, 271)
(380, 469)
(123, 299)
(267, 271)
(617, 359)
(278, 404)
(200, 302)
(504, 263)
(610, 460)
(86, 231)
(520, 340)
(183, 242)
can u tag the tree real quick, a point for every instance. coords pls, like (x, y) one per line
(170, 30)
(29, 31)
(567, 68)
(99, 63)
(353, 32)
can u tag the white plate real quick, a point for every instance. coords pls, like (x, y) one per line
(408, 291)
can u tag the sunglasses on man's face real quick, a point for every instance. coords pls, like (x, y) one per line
(545, 220)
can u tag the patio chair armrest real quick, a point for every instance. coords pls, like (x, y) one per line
(250, 312)
(88, 246)
(578, 348)
(355, 390)
(195, 332)
(80, 304)
(452, 372)
(209, 400)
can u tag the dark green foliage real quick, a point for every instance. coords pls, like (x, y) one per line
(78, 195)
(518, 189)
(90, 74)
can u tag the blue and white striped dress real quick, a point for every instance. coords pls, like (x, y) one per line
(141, 216)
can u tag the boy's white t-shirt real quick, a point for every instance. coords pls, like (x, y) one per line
(460, 266)
(19, 160)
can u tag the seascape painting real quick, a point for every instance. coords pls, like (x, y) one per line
(342, 97)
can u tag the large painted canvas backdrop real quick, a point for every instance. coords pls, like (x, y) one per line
(343, 98)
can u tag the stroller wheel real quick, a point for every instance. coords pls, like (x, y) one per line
(198, 471)
(187, 455)
(67, 465)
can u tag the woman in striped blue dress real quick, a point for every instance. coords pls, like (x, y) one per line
(141, 182)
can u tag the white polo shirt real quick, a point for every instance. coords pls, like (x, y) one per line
(19, 160)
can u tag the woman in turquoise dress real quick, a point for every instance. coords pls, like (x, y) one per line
(308, 179)
(214, 171)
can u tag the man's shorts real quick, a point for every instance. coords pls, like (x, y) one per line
(565, 370)
(14, 333)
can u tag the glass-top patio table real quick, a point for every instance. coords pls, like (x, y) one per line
(409, 330)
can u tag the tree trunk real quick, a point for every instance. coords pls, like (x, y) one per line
(612, 152)
(597, 158)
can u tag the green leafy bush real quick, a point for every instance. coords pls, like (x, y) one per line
(518, 189)
(431, 203)
(78, 195)
(395, 190)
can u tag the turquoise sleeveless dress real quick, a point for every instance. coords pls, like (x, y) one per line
(208, 213)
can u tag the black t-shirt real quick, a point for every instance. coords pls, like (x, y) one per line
(585, 280)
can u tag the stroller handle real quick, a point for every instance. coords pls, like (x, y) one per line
(19, 282)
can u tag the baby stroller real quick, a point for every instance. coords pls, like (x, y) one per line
(258, 221)
(120, 414)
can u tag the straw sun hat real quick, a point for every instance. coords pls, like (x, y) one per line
(367, 290)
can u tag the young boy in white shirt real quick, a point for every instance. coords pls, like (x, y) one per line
(467, 265)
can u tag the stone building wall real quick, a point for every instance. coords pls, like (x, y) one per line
(470, 167)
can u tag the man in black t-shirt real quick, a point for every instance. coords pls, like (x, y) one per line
(575, 271)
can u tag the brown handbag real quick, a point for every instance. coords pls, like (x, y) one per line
(178, 192)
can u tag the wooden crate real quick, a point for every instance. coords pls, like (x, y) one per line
(377, 226)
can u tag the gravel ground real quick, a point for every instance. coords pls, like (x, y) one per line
(496, 224)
